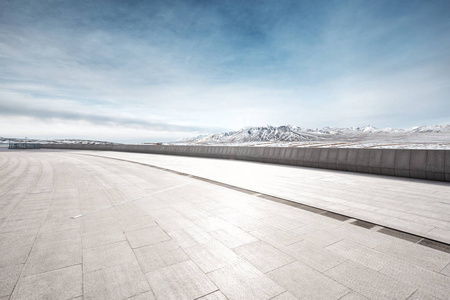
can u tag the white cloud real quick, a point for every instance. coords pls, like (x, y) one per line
(201, 74)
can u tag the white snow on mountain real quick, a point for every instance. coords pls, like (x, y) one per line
(419, 137)
(55, 141)
(426, 137)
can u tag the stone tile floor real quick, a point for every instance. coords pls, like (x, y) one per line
(416, 206)
(144, 233)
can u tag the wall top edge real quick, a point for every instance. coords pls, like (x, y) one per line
(247, 147)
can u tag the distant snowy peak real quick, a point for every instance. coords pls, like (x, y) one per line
(368, 128)
(55, 141)
(255, 134)
(434, 128)
(289, 133)
(199, 137)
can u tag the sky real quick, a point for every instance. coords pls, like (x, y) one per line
(155, 71)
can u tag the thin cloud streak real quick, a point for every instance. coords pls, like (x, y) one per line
(45, 114)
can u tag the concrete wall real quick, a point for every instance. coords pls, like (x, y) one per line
(423, 164)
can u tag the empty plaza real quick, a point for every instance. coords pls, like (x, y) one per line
(116, 225)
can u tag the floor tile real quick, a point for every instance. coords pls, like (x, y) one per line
(243, 281)
(233, 236)
(446, 270)
(314, 255)
(211, 256)
(116, 282)
(245, 222)
(432, 283)
(8, 278)
(322, 237)
(425, 257)
(47, 259)
(102, 237)
(282, 222)
(160, 255)
(419, 295)
(59, 284)
(105, 256)
(59, 238)
(276, 237)
(137, 223)
(173, 223)
(181, 281)
(146, 236)
(190, 236)
(304, 282)
(370, 283)
(211, 223)
(263, 256)
(362, 255)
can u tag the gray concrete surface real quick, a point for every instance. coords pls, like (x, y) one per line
(422, 164)
(145, 233)
(419, 207)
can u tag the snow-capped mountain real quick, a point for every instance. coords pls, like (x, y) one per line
(55, 141)
(289, 133)
(266, 133)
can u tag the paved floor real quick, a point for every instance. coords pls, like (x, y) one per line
(82, 227)
(416, 206)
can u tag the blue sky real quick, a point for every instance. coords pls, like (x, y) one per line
(137, 71)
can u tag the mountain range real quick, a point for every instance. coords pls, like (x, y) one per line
(420, 137)
(289, 133)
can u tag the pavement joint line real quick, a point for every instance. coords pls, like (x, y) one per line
(218, 290)
(445, 247)
(128, 201)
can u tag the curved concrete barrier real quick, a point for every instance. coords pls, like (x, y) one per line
(435, 168)
(422, 164)
(388, 162)
(363, 161)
